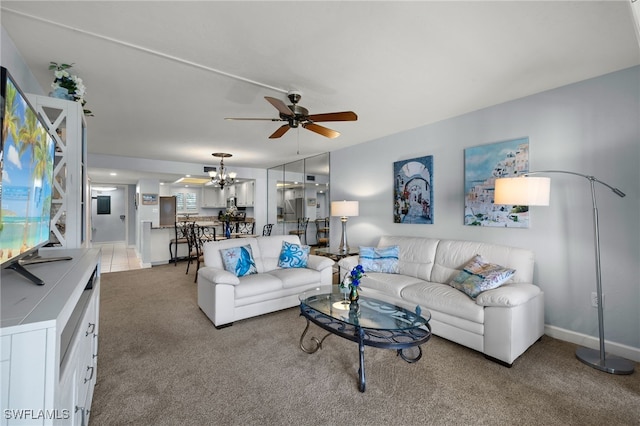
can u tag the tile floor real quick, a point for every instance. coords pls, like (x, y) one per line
(117, 257)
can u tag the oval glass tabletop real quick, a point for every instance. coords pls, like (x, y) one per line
(368, 312)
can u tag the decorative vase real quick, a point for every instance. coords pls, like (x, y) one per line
(61, 93)
(354, 312)
(353, 293)
(227, 229)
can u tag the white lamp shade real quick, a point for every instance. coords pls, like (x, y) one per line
(344, 208)
(522, 191)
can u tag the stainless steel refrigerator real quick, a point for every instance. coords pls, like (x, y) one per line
(294, 209)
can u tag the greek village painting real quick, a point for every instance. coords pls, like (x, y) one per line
(482, 165)
(413, 190)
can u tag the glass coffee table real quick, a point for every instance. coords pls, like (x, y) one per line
(369, 322)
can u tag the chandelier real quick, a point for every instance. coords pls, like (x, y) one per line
(222, 178)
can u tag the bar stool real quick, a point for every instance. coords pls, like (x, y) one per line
(245, 228)
(301, 231)
(322, 231)
(181, 230)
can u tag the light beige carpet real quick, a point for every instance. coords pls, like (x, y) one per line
(161, 362)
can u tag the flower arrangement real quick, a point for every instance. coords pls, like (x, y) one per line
(351, 281)
(68, 86)
(228, 214)
(356, 275)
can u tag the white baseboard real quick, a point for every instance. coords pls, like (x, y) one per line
(628, 352)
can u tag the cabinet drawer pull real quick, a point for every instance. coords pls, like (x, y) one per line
(90, 377)
(91, 328)
(82, 413)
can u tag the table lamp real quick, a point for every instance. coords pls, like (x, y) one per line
(344, 209)
(534, 191)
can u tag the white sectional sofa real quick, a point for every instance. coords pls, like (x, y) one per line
(501, 323)
(226, 298)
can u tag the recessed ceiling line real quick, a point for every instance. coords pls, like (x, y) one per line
(147, 50)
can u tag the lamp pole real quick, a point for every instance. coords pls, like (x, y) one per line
(344, 245)
(597, 358)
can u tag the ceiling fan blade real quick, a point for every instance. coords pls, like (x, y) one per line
(324, 131)
(279, 105)
(253, 119)
(334, 116)
(281, 131)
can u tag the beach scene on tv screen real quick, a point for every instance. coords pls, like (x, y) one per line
(26, 185)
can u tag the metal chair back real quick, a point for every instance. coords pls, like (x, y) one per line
(246, 227)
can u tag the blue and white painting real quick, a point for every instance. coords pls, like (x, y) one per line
(482, 166)
(413, 190)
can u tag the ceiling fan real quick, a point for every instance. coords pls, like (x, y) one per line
(296, 115)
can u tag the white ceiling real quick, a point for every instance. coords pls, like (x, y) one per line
(162, 76)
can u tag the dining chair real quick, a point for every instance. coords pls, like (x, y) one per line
(199, 235)
(266, 230)
(192, 241)
(208, 233)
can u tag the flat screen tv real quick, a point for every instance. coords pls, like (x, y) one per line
(26, 162)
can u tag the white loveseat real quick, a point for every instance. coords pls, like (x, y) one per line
(501, 323)
(226, 298)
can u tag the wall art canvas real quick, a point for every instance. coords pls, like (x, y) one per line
(149, 199)
(413, 190)
(482, 165)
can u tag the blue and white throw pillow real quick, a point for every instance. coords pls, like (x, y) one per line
(293, 255)
(239, 261)
(380, 259)
(478, 276)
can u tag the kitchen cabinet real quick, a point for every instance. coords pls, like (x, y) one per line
(213, 197)
(245, 193)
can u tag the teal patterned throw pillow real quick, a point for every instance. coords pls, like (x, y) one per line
(239, 261)
(380, 259)
(478, 276)
(293, 256)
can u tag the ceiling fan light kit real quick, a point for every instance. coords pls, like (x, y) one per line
(296, 115)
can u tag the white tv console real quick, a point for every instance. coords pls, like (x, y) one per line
(49, 340)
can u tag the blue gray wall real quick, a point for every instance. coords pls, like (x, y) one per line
(591, 127)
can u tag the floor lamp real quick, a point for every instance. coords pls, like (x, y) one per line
(344, 209)
(532, 191)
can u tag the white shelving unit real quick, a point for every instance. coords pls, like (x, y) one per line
(71, 209)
